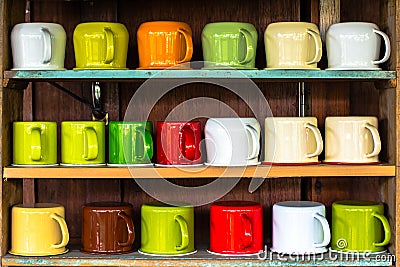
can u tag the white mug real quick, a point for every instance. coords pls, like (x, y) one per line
(292, 140)
(352, 140)
(355, 45)
(232, 141)
(299, 227)
(38, 46)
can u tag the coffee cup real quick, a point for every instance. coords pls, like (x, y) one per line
(178, 143)
(163, 44)
(232, 141)
(167, 229)
(38, 229)
(352, 140)
(299, 227)
(130, 143)
(359, 226)
(82, 142)
(355, 45)
(100, 45)
(236, 227)
(107, 228)
(292, 140)
(229, 45)
(34, 143)
(292, 45)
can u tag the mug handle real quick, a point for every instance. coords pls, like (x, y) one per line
(187, 146)
(36, 144)
(249, 46)
(147, 144)
(375, 138)
(318, 47)
(386, 229)
(189, 46)
(131, 230)
(184, 231)
(91, 147)
(248, 231)
(256, 143)
(325, 228)
(64, 231)
(318, 139)
(47, 45)
(387, 46)
(110, 45)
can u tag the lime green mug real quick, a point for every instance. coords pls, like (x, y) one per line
(34, 143)
(167, 229)
(229, 44)
(82, 142)
(130, 142)
(359, 226)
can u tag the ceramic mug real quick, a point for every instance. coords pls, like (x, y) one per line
(236, 227)
(299, 227)
(163, 44)
(82, 142)
(355, 45)
(232, 141)
(167, 229)
(130, 142)
(38, 46)
(229, 44)
(38, 230)
(34, 143)
(359, 226)
(178, 143)
(107, 228)
(352, 140)
(292, 140)
(100, 45)
(292, 45)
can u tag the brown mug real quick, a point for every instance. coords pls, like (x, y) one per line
(107, 227)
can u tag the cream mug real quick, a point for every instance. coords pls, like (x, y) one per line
(352, 140)
(355, 45)
(292, 45)
(292, 140)
(38, 46)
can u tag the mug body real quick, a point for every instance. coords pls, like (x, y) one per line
(38, 46)
(100, 45)
(35, 143)
(82, 142)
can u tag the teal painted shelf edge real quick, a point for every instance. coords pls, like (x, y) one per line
(197, 74)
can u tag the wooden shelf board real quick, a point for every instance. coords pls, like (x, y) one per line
(121, 75)
(322, 170)
(201, 258)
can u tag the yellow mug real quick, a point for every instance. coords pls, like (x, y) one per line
(38, 230)
(292, 45)
(100, 45)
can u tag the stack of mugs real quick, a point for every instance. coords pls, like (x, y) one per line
(236, 228)
(164, 44)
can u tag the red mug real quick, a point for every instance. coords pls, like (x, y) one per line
(236, 227)
(178, 143)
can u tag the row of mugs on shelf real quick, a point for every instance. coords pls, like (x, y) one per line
(236, 228)
(228, 142)
(164, 44)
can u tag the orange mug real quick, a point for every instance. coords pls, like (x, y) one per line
(164, 44)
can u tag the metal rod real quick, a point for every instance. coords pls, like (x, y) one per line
(68, 92)
(302, 100)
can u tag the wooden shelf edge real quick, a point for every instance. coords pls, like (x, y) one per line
(262, 171)
(201, 258)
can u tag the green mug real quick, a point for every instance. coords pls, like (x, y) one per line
(167, 229)
(34, 143)
(229, 44)
(359, 226)
(130, 142)
(82, 142)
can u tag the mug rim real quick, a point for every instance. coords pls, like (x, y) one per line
(167, 206)
(354, 23)
(164, 22)
(82, 122)
(349, 203)
(109, 205)
(38, 206)
(42, 122)
(303, 204)
(235, 204)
